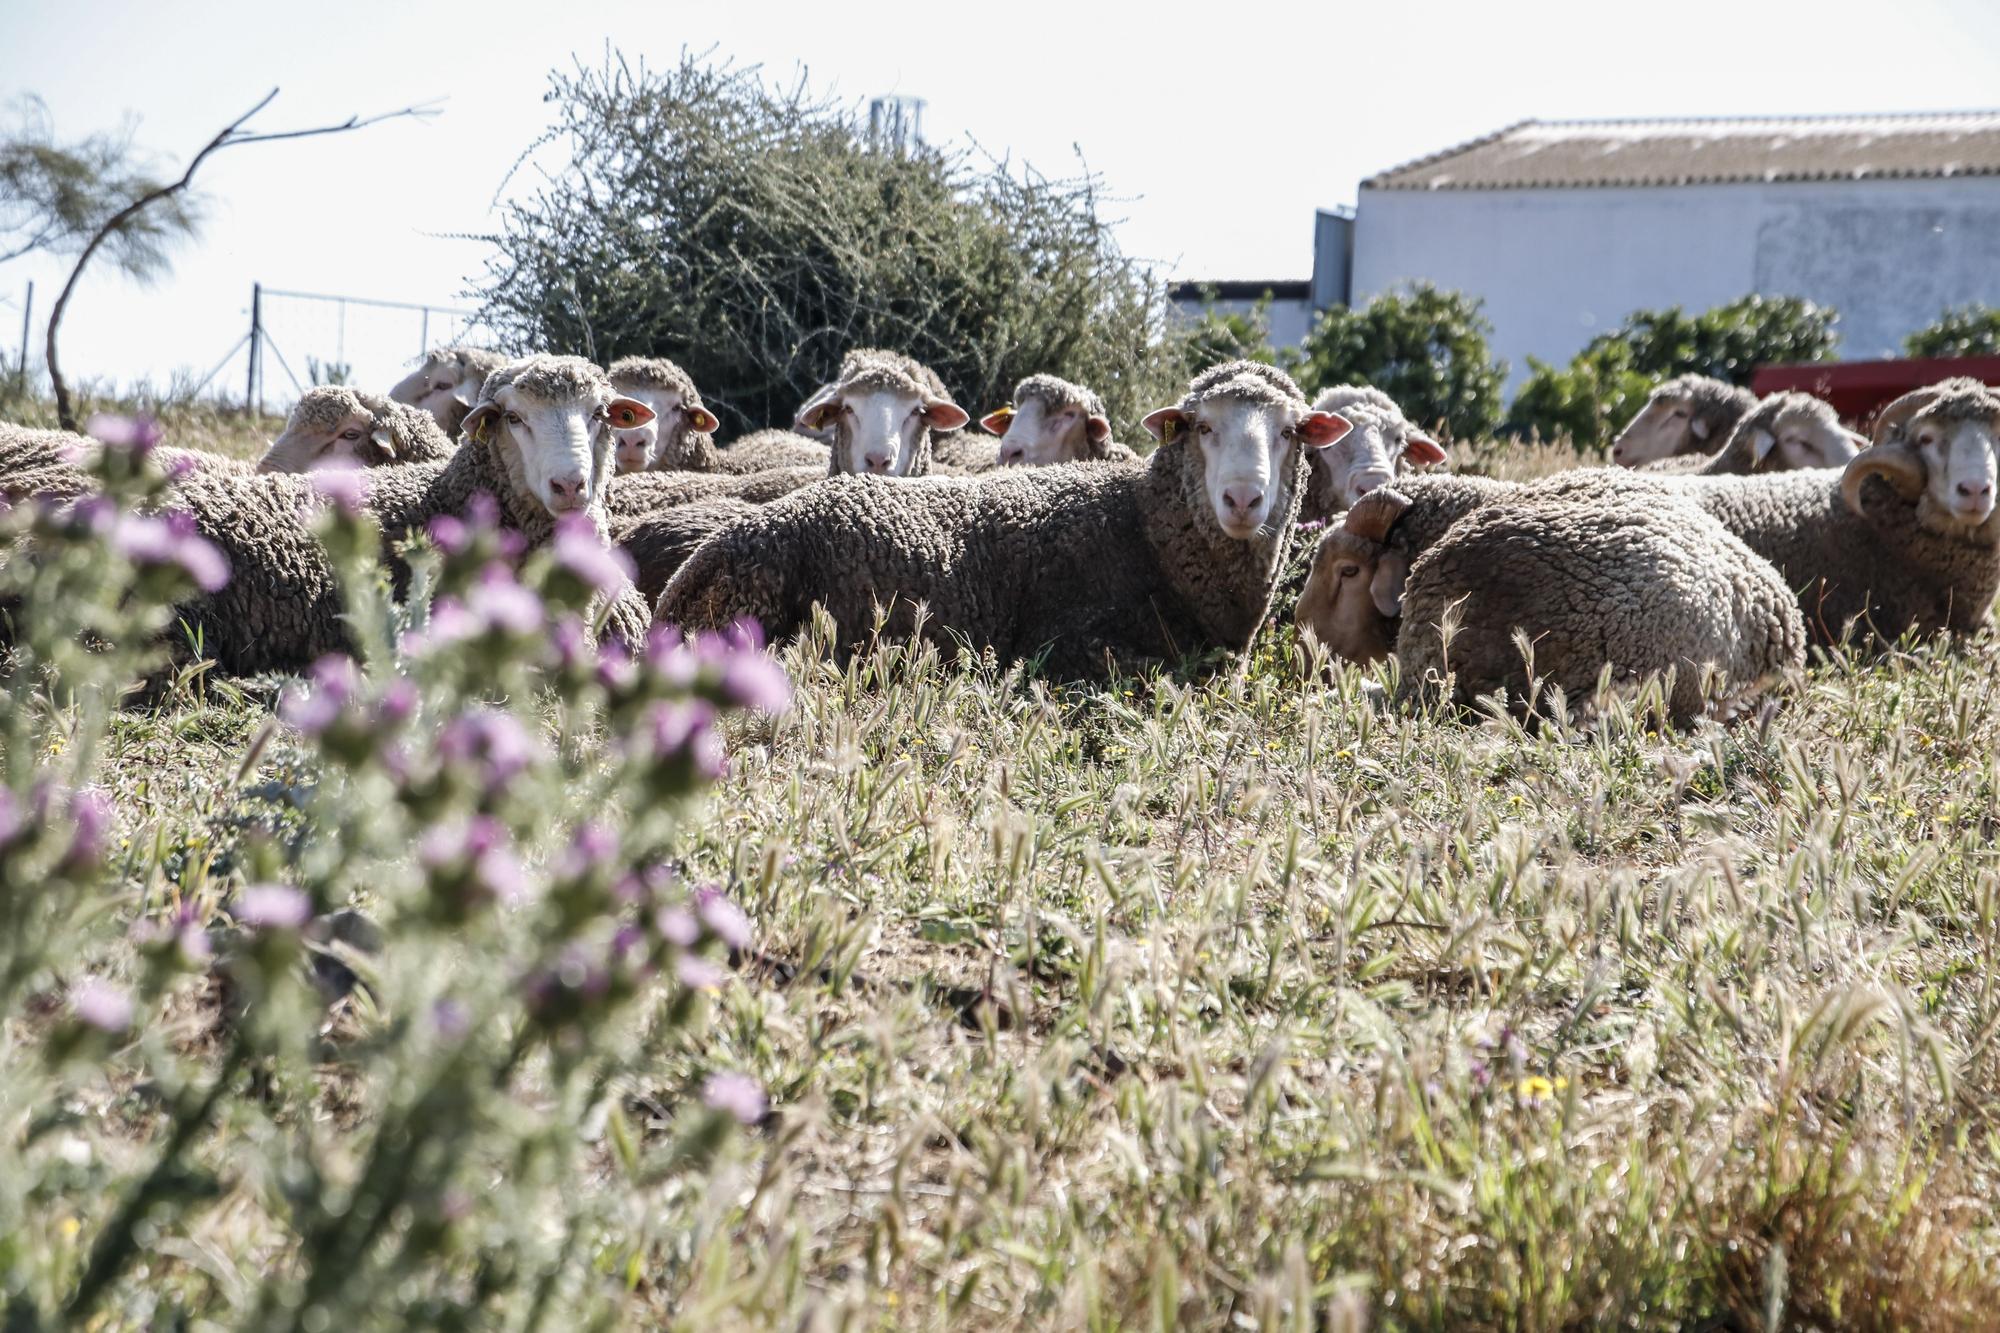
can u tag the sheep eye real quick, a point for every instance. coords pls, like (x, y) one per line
(1202, 427)
(1349, 571)
(512, 418)
(350, 434)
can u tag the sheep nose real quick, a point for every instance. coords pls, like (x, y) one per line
(1013, 457)
(1242, 499)
(567, 491)
(1968, 491)
(1365, 485)
(876, 463)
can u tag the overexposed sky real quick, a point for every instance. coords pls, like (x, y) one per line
(1222, 126)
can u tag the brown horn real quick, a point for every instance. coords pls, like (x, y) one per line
(1893, 463)
(1375, 513)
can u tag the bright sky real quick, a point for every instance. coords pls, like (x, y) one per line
(1223, 125)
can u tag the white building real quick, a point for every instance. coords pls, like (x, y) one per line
(1562, 228)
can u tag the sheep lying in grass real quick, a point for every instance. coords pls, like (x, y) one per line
(1383, 445)
(1090, 563)
(539, 443)
(681, 435)
(1051, 420)
(881, 410)
(1689, 414)
(638, 495)
(335, 426)
(1634, 585)
(1785, 432)
(447, 383)
(660, 542)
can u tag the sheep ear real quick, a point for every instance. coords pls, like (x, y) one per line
(465, 395)
(1893, 463)
(1700, 428)
(702, 420)
(995, 422)
(1422, 450)
(478, 423)
(1856, 438)
(1386, 586)
(945, 415)
(625, 413)
(1164, 424)
(819, 409)
(1319, 429)
(1761, 444)
(384, 440)
(1097, 429)
(1375, 513)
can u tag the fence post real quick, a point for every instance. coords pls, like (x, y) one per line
(27, 313)
(251, 402)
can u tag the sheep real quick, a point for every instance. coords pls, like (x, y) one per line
(681, 435)
(1343, 396)
(1382, 446)
(335, 426)
(962, 453)
(36, 461)
(1638, 585)
(538, 442)
(660, 542)
(1088, 564)
(447, 382)
(642, 494)
(768, 450)
(1050, 420)
(1688, 414)
(1785, 432)
(882, 409)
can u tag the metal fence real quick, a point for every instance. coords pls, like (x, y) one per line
(312, 338)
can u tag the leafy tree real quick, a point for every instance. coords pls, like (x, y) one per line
(1216, 336)
(55, 196)
(1588, 401)
(754, 235)
(1425, 348)
(1972, 330)
(1730, 341)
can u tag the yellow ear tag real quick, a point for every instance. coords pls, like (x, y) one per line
(1004, 413)
(1168, 429)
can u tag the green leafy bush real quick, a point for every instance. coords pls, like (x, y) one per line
(1587, 402)
(1425, 348)
(1972, 330)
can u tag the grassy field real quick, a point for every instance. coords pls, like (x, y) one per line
(1230, 1000)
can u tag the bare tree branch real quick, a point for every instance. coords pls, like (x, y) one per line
(231, 136)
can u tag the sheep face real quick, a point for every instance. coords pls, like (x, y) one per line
(1802, 438)
(556, 450)
(660, 442)
(877, 431)
(1370, 455)
(1245, 445)
(330, 427)
(441, 387)
(1351, 582)
(1038, 433)
(1959, 465)
(1664, 428)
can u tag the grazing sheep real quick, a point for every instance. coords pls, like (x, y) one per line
(1089, 563)
(539, 442)
(446, 383)
(335, 426)
(1637, 584)
(1688, 414)
(882, 409)
(639, 495)
(681, 435)
(1051, 420)
(1786, 432)
(769, 450)
(660, 542)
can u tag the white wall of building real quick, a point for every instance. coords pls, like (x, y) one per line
(1557, 267)
(1290, 321)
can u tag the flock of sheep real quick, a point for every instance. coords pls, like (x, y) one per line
(1736, 533)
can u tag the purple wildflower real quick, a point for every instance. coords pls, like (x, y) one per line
(90, 817)
(317, 707)
(101, 1005)
(494, 741)
(724, 919)
(590, 847)
(346, 485)
(451, 1018)
(449, 534)
(697, 973)
(738, 1095)
(145, 540)
(273, 907)
(397, 702)
(503, 603)
(677, 925)
(138, 433)
(581, 549)
(756, 682)
(478, 852)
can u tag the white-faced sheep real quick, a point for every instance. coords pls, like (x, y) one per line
(1689, 414)
(1383, 445)
(446, 383)
(1639, 585)
(335, 426)
(1051, 420)
(882, 410)
(681, 435)
(1088, 563)
(539, 443)
(1786, 432)
(768, 450)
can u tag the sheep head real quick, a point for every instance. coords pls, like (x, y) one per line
(447, 383)
(1688, 414)
(550, 421)
(332, 426)
(1354, 594)
(1050, 421)
(1792, 431)
(1940, 454)
(663, 442)
(880, 414)
(1243, 425)
(1381, 445)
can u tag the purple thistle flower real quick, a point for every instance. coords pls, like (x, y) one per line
(345, 484)
(451, 1018)
(591, 846)
(313, 709)
(736, 1094)
(678, 723)
(101, 1005)
(494, 741)
(571, 641)
(273, 907)
(90, 817)
(479, 850)
(677, 925)
(504, 604)
(754, 681)
(482, 511)
(449, 534)
(579, 548)
(745, 635)
(697, 973)
(138, 433)
(724, 919)
(397, 702)
(166, 541)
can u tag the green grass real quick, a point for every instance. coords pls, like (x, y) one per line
(1244, 1001)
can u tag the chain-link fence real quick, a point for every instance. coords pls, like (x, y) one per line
(299, 339)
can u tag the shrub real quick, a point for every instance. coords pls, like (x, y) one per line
(1425, 348)
(1587, 402)
(1730, 341)
(754, 235)
(1972, 330)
